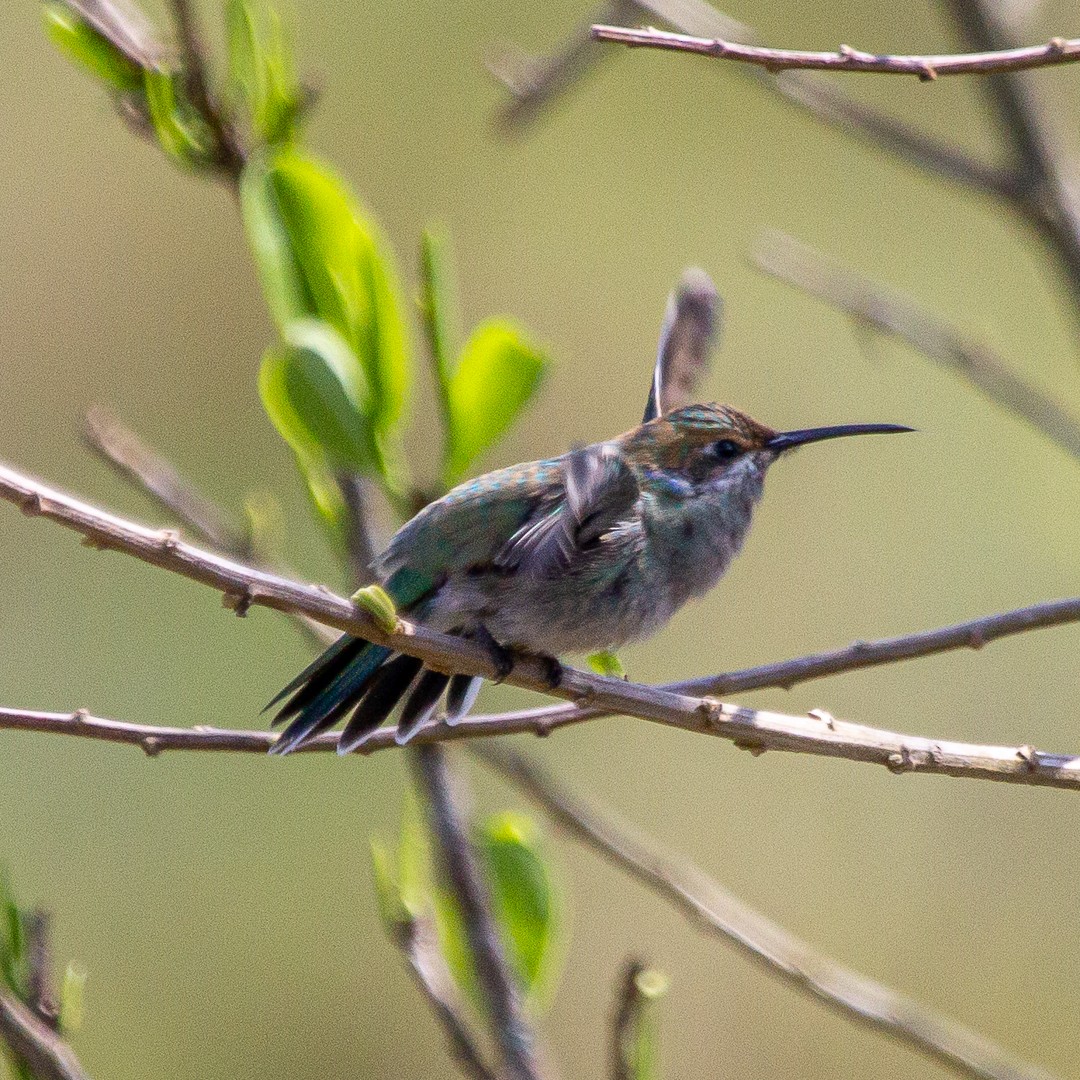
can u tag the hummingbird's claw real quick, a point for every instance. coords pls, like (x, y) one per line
(501, 657)
(553, 671)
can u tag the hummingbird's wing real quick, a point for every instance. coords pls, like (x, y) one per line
(690, 327)
(598, 491)
(466, 528)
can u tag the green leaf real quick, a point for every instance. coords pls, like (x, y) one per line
(314, 464)
(391, 910)
(497, 374)
(72, 998)
(438, 306)
(642, 1043)
(413, 855)
(13, 959)
(278, 108)
(607, 663)
(243, 54)
(525, 904)
(319, 256)
(375, 600)
(80, 42)
(179, 133)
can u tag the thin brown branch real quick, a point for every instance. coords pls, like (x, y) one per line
(827, 102)
(39, 984)
(138, 462)
(229, 154)
(891, 312)
(756, 730)
(456, 865)
(782, 954)
(846, 59)
(535, 83)
(417, 941)
(1049, 199)
(31, 1039)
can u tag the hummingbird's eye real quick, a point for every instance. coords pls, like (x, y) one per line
(726, 450)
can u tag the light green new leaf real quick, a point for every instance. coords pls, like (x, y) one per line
(375, 600)
(642, 1043)
(72, 998)
(13, 958)
(278, 108)
(319, 256)
(262, 75)
(525, 904)
(243, 54)
(314, 464)
(438, 306)
(179, 133)
(80, 42)
(606, 662)
(320, 379)
(497, 374)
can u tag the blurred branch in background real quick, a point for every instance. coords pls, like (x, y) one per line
(716, 911)
(416, 939)
(880, 308)
(755, 730)
(34, 1015)
(34, 1044)
(1039, 182)
(456, 866)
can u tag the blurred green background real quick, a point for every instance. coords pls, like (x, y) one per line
(223, 905)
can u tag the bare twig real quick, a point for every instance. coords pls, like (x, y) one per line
(135, 460)
(783, 955)
(893, 313)
(1056, 51)
(534, 83)
(756, 730)
(39, 985)
(416, 939)
(32, 1040)
(229, 154)
(1049, 198)
(355, 491)
(824, 100)
(456, 864)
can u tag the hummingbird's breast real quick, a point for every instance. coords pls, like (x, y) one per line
(623, 589)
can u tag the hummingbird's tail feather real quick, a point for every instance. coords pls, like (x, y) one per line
(387, 688)
(461, 697)
(325, 691)
(422, 702)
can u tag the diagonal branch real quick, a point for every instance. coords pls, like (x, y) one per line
(756, 730)
(717, 912)
(846, 59)
(417, 941)
(33, 1041)
(456, 865)
(889, 311)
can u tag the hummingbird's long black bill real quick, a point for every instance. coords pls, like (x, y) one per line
(788, 440)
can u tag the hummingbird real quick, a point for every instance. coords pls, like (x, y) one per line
(578, 553)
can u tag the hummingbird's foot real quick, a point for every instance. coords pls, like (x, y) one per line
(501, 657)
(553, 670)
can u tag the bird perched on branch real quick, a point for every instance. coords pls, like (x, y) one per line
(579, 553)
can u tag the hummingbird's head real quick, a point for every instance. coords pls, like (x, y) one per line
(715, 449)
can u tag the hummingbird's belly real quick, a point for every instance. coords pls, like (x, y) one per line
(575, 613)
